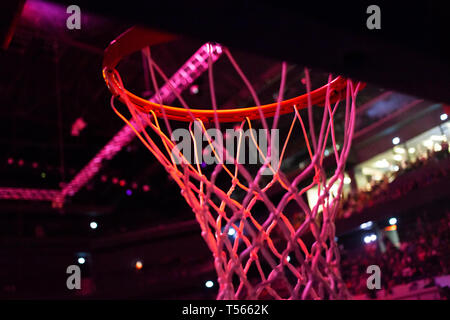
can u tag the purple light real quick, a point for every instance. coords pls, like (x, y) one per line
(129, 192)
(203, 165)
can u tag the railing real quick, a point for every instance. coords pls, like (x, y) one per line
(411, 291)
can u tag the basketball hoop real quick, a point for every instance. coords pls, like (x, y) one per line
(259, 253)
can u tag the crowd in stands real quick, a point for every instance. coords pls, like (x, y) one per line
(435, 166)
(423, 253)
(424, 248)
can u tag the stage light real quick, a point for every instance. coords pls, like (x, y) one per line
(77, 127)
(115, 180)
(81, 260)
(194, 89)
(288, 258)
(428, 144)
(43, 175)
(93, 225)
(209, 284)
(122, 183)
(396, 140)
(139, 265)
(302, 165)
(231, 231)
(435, 137)
(146, 188)
(20, 162)
(392, 221)
(10, 160)
(444, 117)
(382, 164)
(398, 157)
(378, 177)
(370, 238)
(412, 150)
(366, 225)
(129, 192)
(399, 150)
(347, 180)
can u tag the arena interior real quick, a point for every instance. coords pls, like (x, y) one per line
(127, 226)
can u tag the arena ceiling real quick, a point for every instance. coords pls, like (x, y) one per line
(51, 78)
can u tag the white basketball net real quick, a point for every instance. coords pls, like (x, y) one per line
(260, 253)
